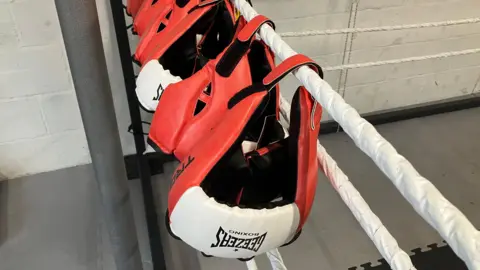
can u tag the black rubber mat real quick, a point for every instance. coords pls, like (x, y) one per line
(434, 258)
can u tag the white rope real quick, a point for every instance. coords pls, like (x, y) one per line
(276, 260)
(252, 265)
(403, 60)
(425, 198)
(378, 29)
(371, 224)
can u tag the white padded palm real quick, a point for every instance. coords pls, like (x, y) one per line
(151, 82)
(231, 232)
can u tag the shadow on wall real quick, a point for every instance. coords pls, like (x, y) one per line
(3, 208)
(11, 221)
(115, 74)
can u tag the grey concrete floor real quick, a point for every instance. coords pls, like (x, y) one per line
(51, 221)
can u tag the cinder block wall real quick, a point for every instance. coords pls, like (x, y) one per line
(40, 125)
(391, 86)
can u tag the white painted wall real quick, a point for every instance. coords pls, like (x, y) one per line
(40, 125)
(386, 87)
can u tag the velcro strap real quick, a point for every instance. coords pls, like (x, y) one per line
(278, 73)
(290, 64)
(204, 4)
(240, 46)
(253, 27)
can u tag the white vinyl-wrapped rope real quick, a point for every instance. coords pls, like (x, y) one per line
(425, 198)
(378, 29)
(371, 224)
(276, 260)
(252, 265)
(403, 60)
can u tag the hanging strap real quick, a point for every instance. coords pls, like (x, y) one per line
(240, 46)
(290, 64)
(204, 4)
(275, 76)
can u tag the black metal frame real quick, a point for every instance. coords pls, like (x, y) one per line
(141, 162)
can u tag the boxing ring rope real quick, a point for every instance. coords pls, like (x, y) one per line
(275, 259)
(378, 29)
(453, 226)
(371, 224)
(402, 60)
